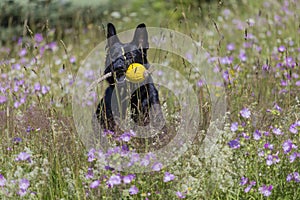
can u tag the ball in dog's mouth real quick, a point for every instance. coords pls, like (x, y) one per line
(120, 77)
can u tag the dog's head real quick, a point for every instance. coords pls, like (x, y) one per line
(121, 55)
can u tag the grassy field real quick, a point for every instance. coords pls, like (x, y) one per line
(251, 152)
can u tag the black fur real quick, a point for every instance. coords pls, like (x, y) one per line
(144, 98)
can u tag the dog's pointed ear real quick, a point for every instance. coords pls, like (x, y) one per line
(140, 37)
(112, 37)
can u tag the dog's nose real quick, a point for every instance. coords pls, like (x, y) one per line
(119, 65)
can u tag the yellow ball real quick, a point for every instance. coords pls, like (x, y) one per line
(135, 73)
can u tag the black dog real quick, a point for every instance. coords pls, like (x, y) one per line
(144, 100)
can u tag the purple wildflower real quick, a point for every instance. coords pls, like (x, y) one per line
(3, 99)
(234, 144)
(145, 161)
(133, 190)
(38, 37)
(245, 113)
(91, 155)
(242, 56)
(200, 83)
(127, 179)
(293, 157)
(37, 87)
(269, 146)
(257, 135)
(89, 174)
(266, 190)
(248, 188)
(24, 184)
(94, 184)
(287, 146)
(23, 52)
(230, 47)
(168, 177)
(114, 180)
(272, 159)
(157, 166)
(293, 177)
(293, 128)
(226, 75)
(244, 181)
(296, 177)
(23, 156)
(72, 59)
(281, 49)
(180, 195)
(45, 89)
(17, 140)
(234, 126)
(277, 131)
(2, 180)
(289, 177)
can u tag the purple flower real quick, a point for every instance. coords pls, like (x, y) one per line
(277, 131)
(22, 52)
(272, 159)
(72, 59)
(234, 126)
(3, 99)
(245, 113)
(256, 135)
(91, 155)
(226, 75)
(230, 47)
(293, 128)
(127, 179)
(17, 140)
(45, 89)
(89, 174)
(200, 83)
(114, 180)
(16, 66)
(293, 157)
(133, 190)
(287, 146)
(2, 180)
(157, 166)
(266, 190)
(296, 177)
(37, 87)
(226, 60)
(168, 177)
(145, 161)
(180, 195)
(281, 49)
(265, 67)
(244, 181)
(269, 146)
(293, 177)
(24, 184)
(248, 188)
(234, 144)
(23, 156)
(289, 177)
(127, 135)
(94, 184)
(277, 107)
(242, 56)
(38, 37)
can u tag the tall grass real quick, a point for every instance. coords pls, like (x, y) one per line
(254, 45)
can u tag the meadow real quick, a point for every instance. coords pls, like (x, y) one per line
(250, 152)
